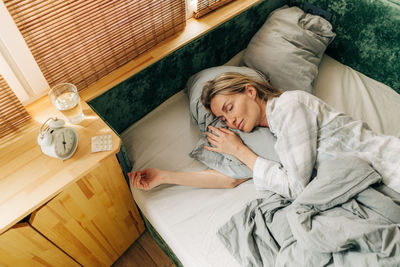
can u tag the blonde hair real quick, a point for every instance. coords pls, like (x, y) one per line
(231, 83)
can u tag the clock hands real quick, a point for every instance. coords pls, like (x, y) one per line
(64, 141)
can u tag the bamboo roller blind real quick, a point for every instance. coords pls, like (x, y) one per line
(206, 6)
(12, 112)
(82, 41)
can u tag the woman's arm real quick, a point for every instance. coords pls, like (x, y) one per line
(296, 130)
(267, 174)
(226, 141)
(150, 178)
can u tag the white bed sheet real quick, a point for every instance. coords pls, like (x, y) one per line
(187, 218)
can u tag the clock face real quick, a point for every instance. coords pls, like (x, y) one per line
(65, 141)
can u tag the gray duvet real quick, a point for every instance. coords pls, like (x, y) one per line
(344, 217)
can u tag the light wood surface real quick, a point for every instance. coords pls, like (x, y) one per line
(23, 246)
(93, 220)
(144, 252)
(28, 178)
(194, 29)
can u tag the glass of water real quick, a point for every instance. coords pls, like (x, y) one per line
(65, 98)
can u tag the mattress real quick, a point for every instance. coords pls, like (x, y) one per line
(187, 218)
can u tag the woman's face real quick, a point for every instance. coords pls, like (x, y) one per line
(239, 111)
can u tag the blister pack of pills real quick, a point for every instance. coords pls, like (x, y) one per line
(102, 143)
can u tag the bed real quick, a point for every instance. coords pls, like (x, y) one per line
(186, 219)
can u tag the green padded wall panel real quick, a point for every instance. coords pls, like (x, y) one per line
(368, 36)
(130, 100)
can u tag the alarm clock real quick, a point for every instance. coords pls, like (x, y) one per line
(57, 141)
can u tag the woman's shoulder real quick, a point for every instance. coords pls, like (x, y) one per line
(291, 101)
(297, 94)
(284, 108)
(287, 102)
(297, 97)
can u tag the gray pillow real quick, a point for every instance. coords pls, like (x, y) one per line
(261, 141)
(288, 48)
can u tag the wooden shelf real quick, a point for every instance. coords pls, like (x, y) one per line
(83, 205)
(28, 178)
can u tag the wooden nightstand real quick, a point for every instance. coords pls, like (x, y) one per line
(80, 210)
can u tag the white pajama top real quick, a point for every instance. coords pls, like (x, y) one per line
(308, 132)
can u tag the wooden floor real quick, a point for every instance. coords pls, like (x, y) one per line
(144, 253)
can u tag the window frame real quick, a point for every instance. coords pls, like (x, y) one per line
(191, 6)
(18, 66)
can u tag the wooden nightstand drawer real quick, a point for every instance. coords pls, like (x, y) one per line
(93, 220)
(22, 245)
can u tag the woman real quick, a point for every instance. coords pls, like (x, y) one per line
(308, 132)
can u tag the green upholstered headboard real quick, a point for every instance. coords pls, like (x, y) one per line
(368, 40)
(368, 36)
(130, 100)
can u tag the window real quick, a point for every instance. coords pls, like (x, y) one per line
(82, 41)
(191, 6)
(206, 6)
(12, 113)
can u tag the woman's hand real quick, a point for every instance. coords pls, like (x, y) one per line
(224, 140)
(146, 179)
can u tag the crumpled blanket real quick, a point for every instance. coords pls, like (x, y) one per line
(344, 217)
